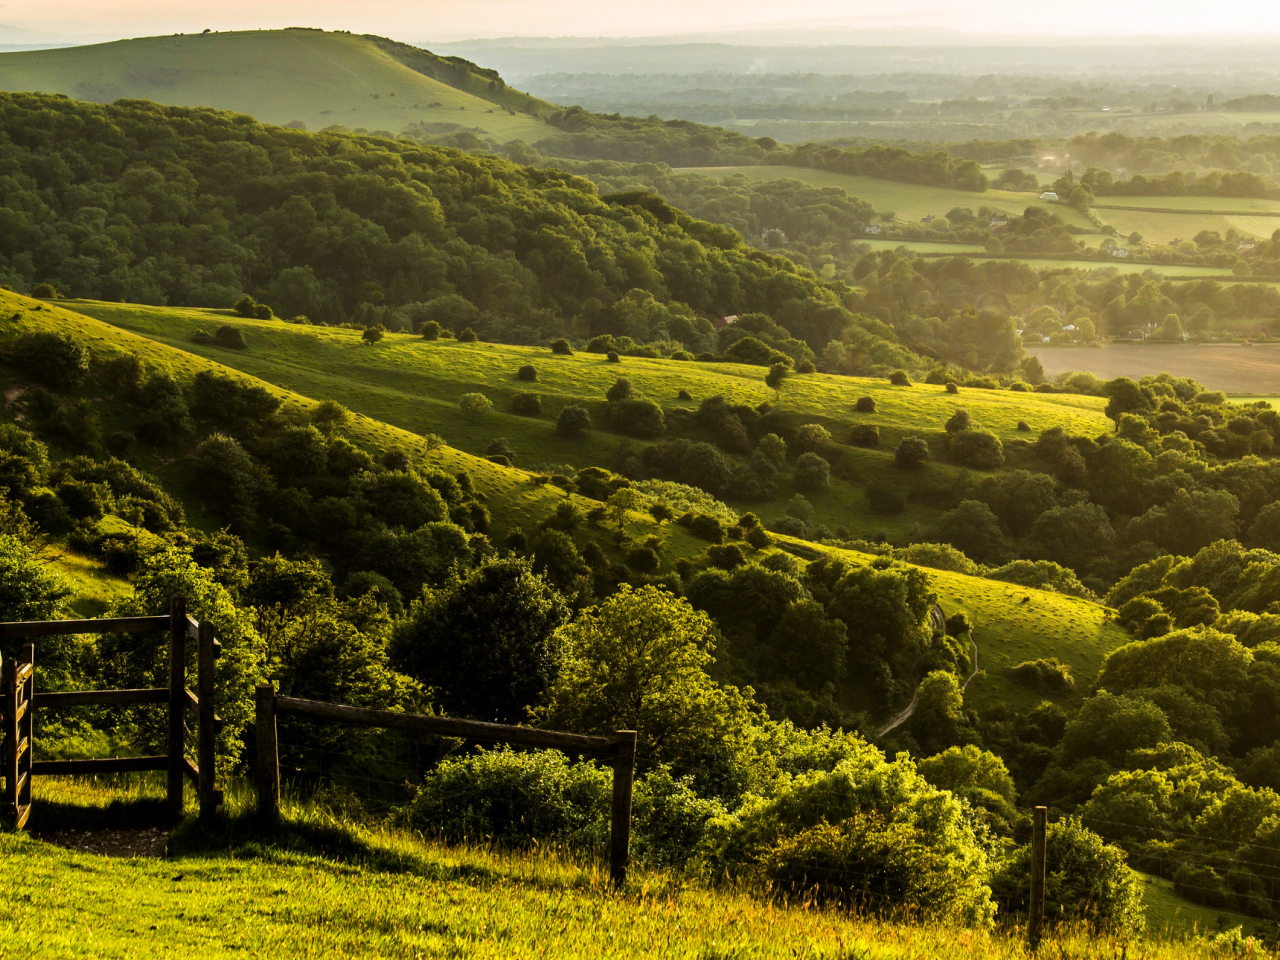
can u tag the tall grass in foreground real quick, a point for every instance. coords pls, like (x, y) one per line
(329, 881)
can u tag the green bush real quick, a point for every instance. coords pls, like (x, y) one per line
(54, 359)
(430, 330)
(912, 454)
(561, 347)
(230, 337)
(528, 373)
(706, 527)
(1087, 881)
(638, 417)
(726, 556)
(865, 405)
(899, 378)
(812, 473)
(979, 449)
(1049, 675)
(467, 335)
(574, 421)
(519, 798)
(612, 357)
(526, 404)
(865, 435)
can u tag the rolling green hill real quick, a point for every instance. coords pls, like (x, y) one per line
(280, 76)
(405, 387)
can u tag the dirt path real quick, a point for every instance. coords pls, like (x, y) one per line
(906, 713)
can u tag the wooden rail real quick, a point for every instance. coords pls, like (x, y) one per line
(619, 750)
(19, 702)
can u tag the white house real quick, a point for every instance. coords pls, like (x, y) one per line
(1123, 252)
(1048, 195)
(873, 229)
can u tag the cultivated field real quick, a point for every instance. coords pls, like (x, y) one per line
(1230, 368)
(907, 200)
(278, 76)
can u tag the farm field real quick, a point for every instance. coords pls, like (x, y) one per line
(936, 249)
(319, 886)
(414, 385)
(1229, 368)
(907, 200)
(1158, 227)
(277, 76)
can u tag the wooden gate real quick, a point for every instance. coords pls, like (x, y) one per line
(19, 701)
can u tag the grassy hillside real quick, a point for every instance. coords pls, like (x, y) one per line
(405, 387)
(320, 887)
(415, 385)
(278, 76)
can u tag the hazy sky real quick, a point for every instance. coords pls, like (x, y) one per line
(456, 19)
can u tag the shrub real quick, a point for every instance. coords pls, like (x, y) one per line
(979, 449)
(263, 312)
(527, 373)
(500, 459)
(899, 378)
(574, 421)
(960, 420)
(526, 404)
(939, 556)
(474, 405)
(912, 454)
(620, 390)
(643, 560)
(245, 307)
(813, 474)
(513, 797)
(684, 395)
(812, 437)
(758, 538)
(885, 500)
(951, 387)
(612, 357)
(430, 330)
(805, 366)
(561, 347)
(1089, 881)
(231, 337)
(467, 335)
(707, 528)
(638, 417)
(1049, 675)
(44, 291)
(1023, 427)
(372, 335)
(726, 556)
(865, 405)
(865, 435)
(749, 350)
(54, 359)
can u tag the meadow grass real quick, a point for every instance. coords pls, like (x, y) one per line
(277, 76)
(324, 884)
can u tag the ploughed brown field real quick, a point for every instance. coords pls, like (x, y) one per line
(1230, 368)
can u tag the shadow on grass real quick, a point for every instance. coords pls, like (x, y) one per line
(50, 816)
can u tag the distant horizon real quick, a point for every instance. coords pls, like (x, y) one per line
(39, 22)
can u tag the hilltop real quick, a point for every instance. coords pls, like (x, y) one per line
(308, 78)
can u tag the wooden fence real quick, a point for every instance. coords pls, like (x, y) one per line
(19, 701)
(619, 750)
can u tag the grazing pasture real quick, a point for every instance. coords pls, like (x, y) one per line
(1228, 367)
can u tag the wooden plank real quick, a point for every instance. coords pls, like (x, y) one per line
(59, 768)
(21, 711)
(26, 729)
(24, 813)
(624, 774)
(9, 696)
(193, 704)
(24, 781)
(193, 628)
(55, 628)
(268, 766)
(447, 726)
(1035, 912)
(191, 770)
(99, 698)
(206, 723)
(24, 672)
(24, 744)
(177, 687)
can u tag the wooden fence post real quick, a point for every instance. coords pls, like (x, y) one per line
(26, 694)
(9, 697)
(177, 703)
(624, 772)
(268, 753)
(1035, 918)
(207, 731)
